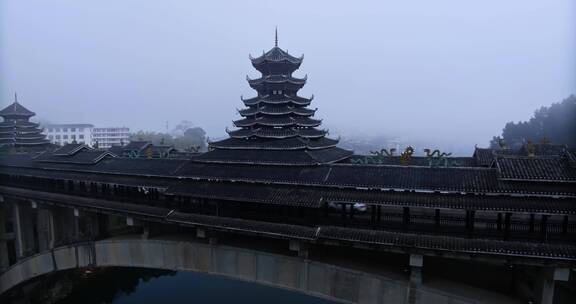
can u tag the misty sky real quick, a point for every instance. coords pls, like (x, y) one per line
(447, 71)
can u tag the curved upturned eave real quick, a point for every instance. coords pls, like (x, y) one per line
(286, 85)
(5, 124)
(277, 102)
(32, 143)
(275, 144)
(276, 55)
(22, 136)
(296, 100)
(15, 130)
(284, 111)
(285, 133)
(20, 141)
(271, 79)
(277, 122)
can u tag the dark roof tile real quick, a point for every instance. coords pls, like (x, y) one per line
(16, 109)
(536, 169)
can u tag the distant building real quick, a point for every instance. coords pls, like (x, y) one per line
(62, 134)
(110, 136)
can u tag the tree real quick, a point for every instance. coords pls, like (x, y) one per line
(182, 127)
(189, 139)
(155, 138)
(193, 138)
(555, 124)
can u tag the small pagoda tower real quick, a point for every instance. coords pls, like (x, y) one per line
(16, 131)
(277, 127)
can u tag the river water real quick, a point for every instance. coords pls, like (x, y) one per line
(131, 286)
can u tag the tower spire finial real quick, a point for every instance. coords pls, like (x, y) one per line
(276, 36)
(15, 96)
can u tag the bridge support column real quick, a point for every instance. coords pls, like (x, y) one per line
(103, 223)
(45, 228)
(299, 247)
(416, 264)
(544, 227)
(65, 222)
(4, 237)
(405, 217)
(437, 219)
(4, 262)
(470, 223)
(76, 224)
(507, 225)
(145, 230)
(24, 221)
(549, 278)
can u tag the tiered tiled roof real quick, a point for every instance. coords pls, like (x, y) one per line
(17, 131)
(276, 119)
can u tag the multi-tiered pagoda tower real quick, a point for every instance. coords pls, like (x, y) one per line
(16, 131)
(277, 127)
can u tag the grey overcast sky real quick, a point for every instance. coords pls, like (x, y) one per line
(445, 70)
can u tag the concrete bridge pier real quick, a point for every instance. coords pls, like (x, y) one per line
(549, 277)
(416, 264)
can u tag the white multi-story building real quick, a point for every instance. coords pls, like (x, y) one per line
(62, 134)
(112, 136)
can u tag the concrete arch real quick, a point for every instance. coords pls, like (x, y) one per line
(313, 278)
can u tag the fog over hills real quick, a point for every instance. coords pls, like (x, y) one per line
(452, 79)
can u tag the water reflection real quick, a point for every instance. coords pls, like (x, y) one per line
(120, 285)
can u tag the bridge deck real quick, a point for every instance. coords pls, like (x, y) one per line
(430, 244)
